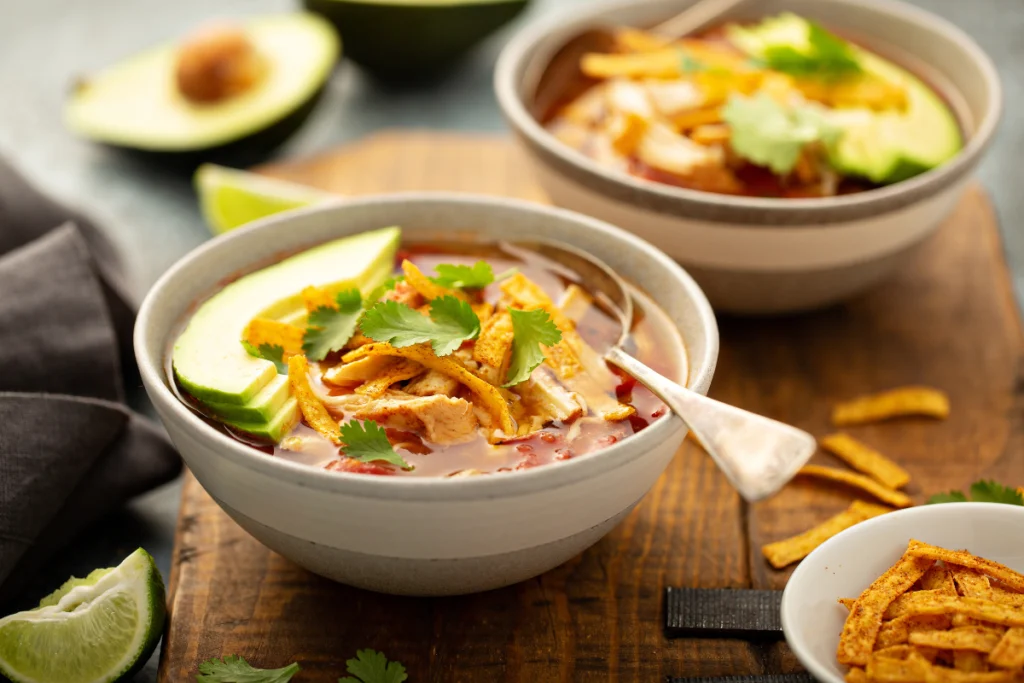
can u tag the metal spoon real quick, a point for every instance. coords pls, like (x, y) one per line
(758, 455)
(561, 78)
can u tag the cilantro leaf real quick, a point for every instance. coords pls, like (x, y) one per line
(530, 330)
(477, 276)
(950, 497)
(370, 666)
(272, 352)
(768, 134)
(451, 322)
(329, 329)
(383, 288)
(234, 669)
(984, 491)
(988, 491)
(366, 441)
(826, 56)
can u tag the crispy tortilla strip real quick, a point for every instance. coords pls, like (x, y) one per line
(577, 365)
(318, 297)
(483, 311)
(970, 582)
(1009, 651)
(999, 594)
(900, 607)
(357, 372)
(663, 63)
(867, 460)
(493, 347)
(883, 669)
(848, 603)
(312, 408)
(635, 40)
(975, 608)
(865, 484)
(865, 619)
(425, 286)
(976, 638)
(968, 660)
(693, 118)
(399, 370)
(938, 578)
(490, 397)
(793, 549)
(900, 402)
(857, 675)
(625, 131)
(1008, 577)
(265, 331)
(897, 631)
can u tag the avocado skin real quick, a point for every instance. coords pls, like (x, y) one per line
(407, 43)
(245, 151)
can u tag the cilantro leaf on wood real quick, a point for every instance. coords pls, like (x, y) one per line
(370, 666)
(984, 491)
(366, 441)
(450, 323)
(329, 329)
(988, 491)
(769, 134)
(272, 352)
(949, 497)
(827, 56)
(234, 669)
(477, 276)
(530, 329)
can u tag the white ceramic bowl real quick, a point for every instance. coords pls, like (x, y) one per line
(845, 565)
(755, 255)
(422, 536)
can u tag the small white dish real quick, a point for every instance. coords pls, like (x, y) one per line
(845, 565)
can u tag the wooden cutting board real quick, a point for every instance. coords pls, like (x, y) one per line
(948, 320)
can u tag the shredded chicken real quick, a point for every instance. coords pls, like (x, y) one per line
(404, 293)
(432, 383)
(441, 419)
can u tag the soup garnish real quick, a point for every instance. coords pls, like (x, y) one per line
(472, 369)
(781, 108)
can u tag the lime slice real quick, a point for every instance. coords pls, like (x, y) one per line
(229, 198)
(93, 630)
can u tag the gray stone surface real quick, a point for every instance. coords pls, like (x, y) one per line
(152, 213)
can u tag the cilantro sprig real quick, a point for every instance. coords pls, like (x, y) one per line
(234, 669)
(476, 276)
(826, 56)
(370, 666)
(530, 329)
(984, 491)
(329, 329)
(272, 352)
(366, 441)
(450, 323)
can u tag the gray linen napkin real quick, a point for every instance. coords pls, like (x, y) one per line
(70, 450)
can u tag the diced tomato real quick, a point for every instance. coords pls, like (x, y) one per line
(548, 437)
(352, 465)
(659, 412)
(563, 454)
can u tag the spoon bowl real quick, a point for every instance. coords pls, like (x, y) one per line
(757, 454)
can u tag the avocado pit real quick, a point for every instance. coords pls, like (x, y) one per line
(218, 62)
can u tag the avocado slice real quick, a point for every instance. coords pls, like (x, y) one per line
(407, 40)
(277, 427)
(136, 104)
(883, 146)
(208, 358)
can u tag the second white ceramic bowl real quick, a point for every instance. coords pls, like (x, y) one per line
(422, 536)
(756, 255)
(845, 565)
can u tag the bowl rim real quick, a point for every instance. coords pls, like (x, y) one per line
(553, 475)
(792, 212)
(819, 669)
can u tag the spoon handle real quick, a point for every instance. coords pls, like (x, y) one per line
(695, 17)
(758, 455)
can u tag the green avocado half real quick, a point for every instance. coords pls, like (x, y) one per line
(409, 40)
(136, 105)
(211, 363)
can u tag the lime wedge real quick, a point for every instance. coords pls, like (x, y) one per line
(93, 630)
(229, 198)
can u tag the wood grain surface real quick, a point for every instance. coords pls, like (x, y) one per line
(949, 320)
